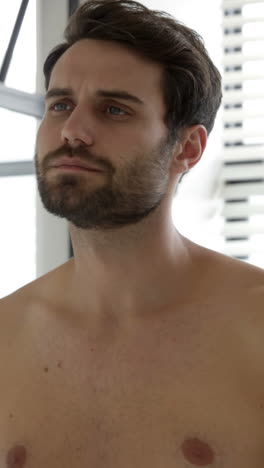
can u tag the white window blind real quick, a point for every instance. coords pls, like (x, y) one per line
(242, 173)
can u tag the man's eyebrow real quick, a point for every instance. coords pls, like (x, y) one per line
(113, 93)
(116, 93)
(58, 92)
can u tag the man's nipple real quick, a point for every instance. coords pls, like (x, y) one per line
(16, 457)
(197, 452)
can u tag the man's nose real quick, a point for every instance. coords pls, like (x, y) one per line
(78, 127)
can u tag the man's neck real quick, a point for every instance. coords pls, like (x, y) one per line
(126, 278)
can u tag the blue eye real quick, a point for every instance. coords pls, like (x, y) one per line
(116, 111)
(53, 107)
(117, 108)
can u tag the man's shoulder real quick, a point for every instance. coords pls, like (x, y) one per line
(20, 296)
(215, 271)
(228, 280)
(229, 268)
(37, 290)
(16, 308)
(13, 307)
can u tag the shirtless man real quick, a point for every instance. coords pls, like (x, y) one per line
(144, 350)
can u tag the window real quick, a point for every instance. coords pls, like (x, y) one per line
(7, 22)
(22, 70)
(18, 232)
(32, 241)
(19, 111)
(242, 173)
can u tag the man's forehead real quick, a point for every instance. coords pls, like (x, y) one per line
(89, 66)
(89, 57)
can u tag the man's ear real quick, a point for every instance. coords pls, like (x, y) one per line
(190, 148)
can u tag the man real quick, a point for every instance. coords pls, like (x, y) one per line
(144, 350)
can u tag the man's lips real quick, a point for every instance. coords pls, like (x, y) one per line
(75, 168)
(75, 163)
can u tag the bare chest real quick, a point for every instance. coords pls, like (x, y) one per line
(155, 402)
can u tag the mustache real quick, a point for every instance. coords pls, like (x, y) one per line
(80, 152)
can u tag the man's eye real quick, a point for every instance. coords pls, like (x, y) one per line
(54, 106)
(116, 111)
(112, 110)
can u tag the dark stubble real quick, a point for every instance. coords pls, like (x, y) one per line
(109, 200)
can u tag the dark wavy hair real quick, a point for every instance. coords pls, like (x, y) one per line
(191, 82)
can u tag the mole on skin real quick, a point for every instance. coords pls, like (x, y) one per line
(16, 457)
(197, 452)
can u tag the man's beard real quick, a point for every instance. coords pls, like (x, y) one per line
(109, 199)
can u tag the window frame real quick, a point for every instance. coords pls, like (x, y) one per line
(53, 241)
